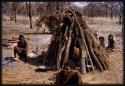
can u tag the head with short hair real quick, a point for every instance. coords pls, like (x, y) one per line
(68, 67)
(95, 34)
(101, 39)
(69, 63)
(21, 37)
(110, 36)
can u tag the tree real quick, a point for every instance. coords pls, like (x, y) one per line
(112, 6)
(30, 16)
(94, 9)
(28, 7)
(15, 9)
(39, 8)
(106, 9)
(120, 12)
(57, 5)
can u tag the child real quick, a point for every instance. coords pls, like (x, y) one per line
(102, 41)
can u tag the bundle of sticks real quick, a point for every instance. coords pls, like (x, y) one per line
(79, 45)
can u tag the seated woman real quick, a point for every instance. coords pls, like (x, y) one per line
(21, 48)
(111, 42)
(67, 76)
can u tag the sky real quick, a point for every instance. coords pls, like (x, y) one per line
(79, 4)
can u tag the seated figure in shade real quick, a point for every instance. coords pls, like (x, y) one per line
(102, 41)
(21, 48)
(111, 42)
(67, 76)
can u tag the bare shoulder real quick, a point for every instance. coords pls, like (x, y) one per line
(78, 73)
(58, 74)
(26, 41)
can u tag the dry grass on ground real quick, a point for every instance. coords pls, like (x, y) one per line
(24, 73)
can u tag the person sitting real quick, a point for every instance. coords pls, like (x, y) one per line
(102, 41)
(111, 42)
(21, 48)
(67, 76)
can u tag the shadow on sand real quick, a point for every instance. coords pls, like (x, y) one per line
(40, 61)
(36, 61)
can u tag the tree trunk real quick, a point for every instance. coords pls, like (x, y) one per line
(57, 5)
(14, 8)
(111, 13)
(120, 19)
(27, 8)
(120, 16)
(82, 58)
(91, 12)
(9, 10)
(106, 11)
(49, 6)
(30, 16)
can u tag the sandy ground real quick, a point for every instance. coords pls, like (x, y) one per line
(24, 73)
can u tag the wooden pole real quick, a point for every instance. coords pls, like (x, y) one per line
(82, 58)
(61, 49)
(67, 47)
(83, 38)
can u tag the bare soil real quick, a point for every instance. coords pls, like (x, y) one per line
(24, 73)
